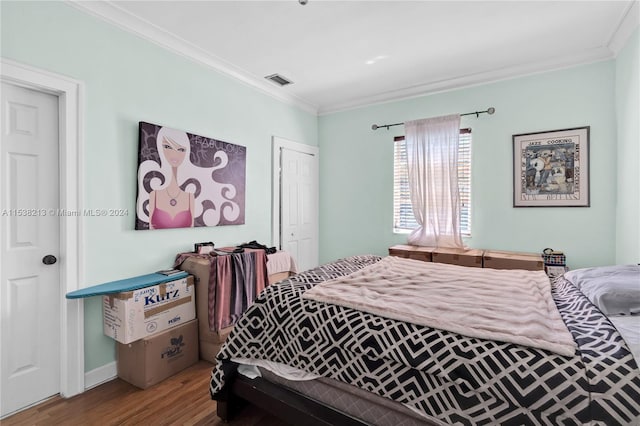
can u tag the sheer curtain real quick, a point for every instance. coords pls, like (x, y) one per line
(432, 156)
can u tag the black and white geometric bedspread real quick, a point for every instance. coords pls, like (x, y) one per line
(453, 378)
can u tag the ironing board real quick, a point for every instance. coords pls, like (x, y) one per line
(127, 284)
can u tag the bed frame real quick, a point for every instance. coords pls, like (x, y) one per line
(288, 405)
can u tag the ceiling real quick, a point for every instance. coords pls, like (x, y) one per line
(346, 54)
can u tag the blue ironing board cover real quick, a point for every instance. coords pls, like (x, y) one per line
(127, 284)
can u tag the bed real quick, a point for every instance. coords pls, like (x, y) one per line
(313, 362)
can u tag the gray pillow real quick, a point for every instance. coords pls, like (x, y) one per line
(613, 289)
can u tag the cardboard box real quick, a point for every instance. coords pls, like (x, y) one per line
(132, 315)
(496, 259)
(210, 341)
(150, 360)
(412, 252)
(461, 257)
(279, 276)
(400, 250)
(421, 253)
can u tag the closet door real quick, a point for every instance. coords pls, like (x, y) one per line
(297, 209)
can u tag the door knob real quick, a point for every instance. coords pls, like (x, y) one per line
(49, 259)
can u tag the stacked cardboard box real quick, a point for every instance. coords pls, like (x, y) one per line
(412, 252)
(132, 315)
(497, 259)
(454, 256)
(155, 330)
(461, 257)
(152, 359)
(479, 258)
(211, 341)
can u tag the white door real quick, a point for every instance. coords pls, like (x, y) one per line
(299, 206)
(29, 288)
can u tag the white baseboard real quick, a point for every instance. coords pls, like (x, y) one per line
(100, 375)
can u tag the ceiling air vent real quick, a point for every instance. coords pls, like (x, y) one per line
(278, 79)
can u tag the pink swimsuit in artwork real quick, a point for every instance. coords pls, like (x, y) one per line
(162, 220)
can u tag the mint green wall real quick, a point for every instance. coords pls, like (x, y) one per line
(628, 115)
(128, 79)
(356, 166)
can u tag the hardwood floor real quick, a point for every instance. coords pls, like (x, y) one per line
(182, 399)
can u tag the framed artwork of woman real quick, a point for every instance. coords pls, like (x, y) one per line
(186, 180)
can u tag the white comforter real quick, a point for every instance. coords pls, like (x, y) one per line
(513, 306)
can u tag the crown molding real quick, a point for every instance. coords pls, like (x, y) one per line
(115, 15)
(629, 21)
(445, 85)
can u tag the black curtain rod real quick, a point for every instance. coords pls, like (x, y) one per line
(477, 114)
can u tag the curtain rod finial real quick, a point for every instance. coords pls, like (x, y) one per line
(491, 110)
(374, 127)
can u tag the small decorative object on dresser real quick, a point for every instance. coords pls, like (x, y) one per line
(553, 257)
(555, 262)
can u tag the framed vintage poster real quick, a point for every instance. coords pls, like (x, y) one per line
(551, 169)
(186, 180)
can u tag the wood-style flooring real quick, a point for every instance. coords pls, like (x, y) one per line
(182, 399)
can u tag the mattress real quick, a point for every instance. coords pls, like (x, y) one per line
(351, 400)
(340, 396)
(446, 376)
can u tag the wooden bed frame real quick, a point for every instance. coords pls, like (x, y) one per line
(288, 405)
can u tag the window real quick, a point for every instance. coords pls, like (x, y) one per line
(403, 219)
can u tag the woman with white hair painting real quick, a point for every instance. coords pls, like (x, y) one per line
(179, 180)
(171, 207)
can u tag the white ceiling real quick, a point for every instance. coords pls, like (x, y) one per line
(345, 54)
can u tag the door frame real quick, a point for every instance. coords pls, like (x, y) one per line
(277, 144)
(70, 95)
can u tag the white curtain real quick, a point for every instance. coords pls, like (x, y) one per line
(432, 155)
